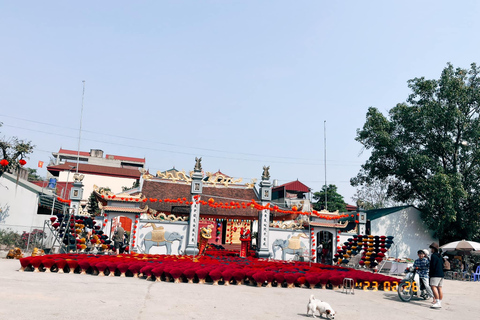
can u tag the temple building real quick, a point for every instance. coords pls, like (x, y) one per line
(165, 197)
(217, 187)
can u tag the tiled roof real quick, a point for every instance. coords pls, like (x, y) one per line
(293, 186)
(167, 190)
(124, 209)
(220, 172)
(378, 213)
(74, 153)
(98, 170)
(351, 208)
(326, 224)
(122, 158)
(108, 156)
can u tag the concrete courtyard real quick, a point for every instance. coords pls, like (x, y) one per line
(28, 295)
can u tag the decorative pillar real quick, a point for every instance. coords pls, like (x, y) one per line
(362, 223)
(76, 193)
(196, 191)
(264, 215)
(362, 219)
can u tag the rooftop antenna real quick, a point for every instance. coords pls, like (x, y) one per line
(80, 131)
(325, 159)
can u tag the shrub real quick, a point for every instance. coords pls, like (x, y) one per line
(10, 238)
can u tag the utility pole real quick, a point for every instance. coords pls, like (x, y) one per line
(325, 158)
(80, 131)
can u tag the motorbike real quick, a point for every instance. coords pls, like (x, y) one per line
(411, 286)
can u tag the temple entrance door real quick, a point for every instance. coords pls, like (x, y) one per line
(325, 246)
(126, 224)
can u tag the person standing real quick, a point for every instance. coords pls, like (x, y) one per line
(422, 264)
(436, 275)
(446, 264)
(118, 238)
(89, 228)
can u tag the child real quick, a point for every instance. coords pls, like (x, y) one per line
(422, 265)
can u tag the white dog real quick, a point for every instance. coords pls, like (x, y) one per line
(320, 306)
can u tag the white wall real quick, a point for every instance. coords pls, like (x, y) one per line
(19, 207)
(409, 231)
(276, 233)
(180, 227)
(114, 183)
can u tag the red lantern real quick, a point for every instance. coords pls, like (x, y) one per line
(294, 208)
(22, 162)
(4, 163)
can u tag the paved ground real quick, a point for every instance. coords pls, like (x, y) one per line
(40, 296)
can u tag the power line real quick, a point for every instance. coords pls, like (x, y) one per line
(169, 144)
(176, 152)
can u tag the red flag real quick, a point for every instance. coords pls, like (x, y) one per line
(40, 164)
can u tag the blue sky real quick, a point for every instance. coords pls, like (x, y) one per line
(241, 83)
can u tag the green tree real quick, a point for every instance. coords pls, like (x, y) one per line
(13, 150)
(374, 195)
(428, 150)
(33, 175)
(334, 199)
(136, 184)
(92, 204)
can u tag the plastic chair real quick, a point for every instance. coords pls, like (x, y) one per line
(476, 274)
(348, 286)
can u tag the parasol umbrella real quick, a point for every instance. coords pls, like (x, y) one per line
(461, 246)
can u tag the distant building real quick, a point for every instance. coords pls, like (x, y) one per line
(351, 208)
(111, 171)
(95, 157)
(292, 194)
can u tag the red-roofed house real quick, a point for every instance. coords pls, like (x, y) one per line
(95, 156)
(292, 194)
(111, 171)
